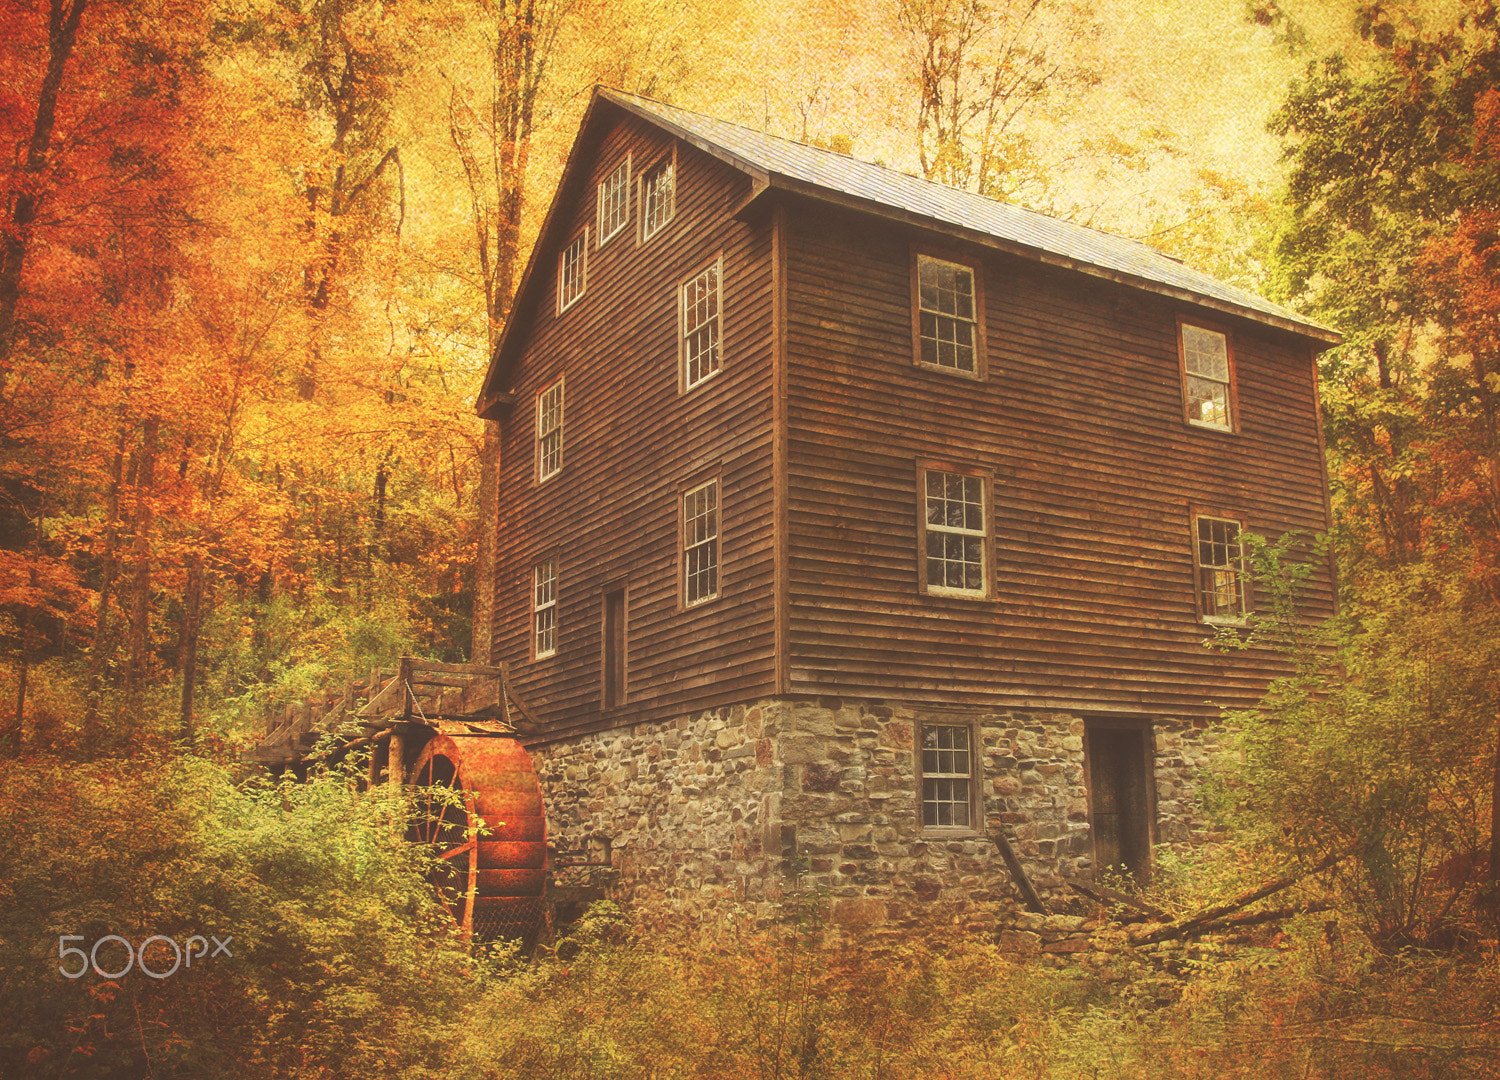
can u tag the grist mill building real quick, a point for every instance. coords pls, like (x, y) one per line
(847, 519)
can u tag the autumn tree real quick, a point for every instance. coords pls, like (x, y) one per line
(988, 74)
(1387, 235)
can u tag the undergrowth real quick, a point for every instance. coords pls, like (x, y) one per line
(343, 967)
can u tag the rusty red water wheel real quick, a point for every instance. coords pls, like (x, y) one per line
(479, 808)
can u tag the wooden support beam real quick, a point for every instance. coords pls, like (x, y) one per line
(1033, 899)
(395, 769)
(451, 669)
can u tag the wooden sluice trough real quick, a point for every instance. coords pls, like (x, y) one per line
(450, 731)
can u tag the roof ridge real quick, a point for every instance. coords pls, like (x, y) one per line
(944, 188)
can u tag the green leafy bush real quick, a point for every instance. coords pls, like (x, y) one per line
(341, 965)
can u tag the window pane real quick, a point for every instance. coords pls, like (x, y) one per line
(700, 557)
(614, 202)
(946, 775)
(946, 326)
(1205, 353)
(1221, 573)
(1208, 401)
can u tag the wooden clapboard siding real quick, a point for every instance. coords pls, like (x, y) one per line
(1095, 476)
(632, 443)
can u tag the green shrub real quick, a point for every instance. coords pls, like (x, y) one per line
(340, 966)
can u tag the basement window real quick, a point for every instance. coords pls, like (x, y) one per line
(947, 770)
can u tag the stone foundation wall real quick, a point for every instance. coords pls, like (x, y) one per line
(686, 810)
(723, 811)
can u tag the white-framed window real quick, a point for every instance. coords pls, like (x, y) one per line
(947, 316)
(955, 534)
(549, 431)
(614, 201)
(701, 322)
(544, 609)
(572, 268)
(700, 544)
(947, 771)
(1220, 561)
(658, 197)
(1207, 377)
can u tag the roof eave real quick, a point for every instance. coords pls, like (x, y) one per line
(780, 182)
(492, 396)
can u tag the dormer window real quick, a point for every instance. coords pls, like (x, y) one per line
(658, 198)
(1207, 377)
(570, 272)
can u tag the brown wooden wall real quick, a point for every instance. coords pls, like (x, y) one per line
(632, 443)
(1081, 421)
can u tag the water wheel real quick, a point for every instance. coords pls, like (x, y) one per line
(488, 830)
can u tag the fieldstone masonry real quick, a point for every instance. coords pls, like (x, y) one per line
(720, 813)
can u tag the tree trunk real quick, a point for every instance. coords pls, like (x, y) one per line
(481, 647)
(23, 669)
(187, 654)
(109, 567)
(62, 32)
(140, 599)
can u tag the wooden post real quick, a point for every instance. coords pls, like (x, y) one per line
(407, 692)
(395, 770)
(374, 773)
(473, 886)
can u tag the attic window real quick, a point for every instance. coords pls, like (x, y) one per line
(947, 322)
(614, 202)
(570, 271)
(659, 198)
(1207, 377)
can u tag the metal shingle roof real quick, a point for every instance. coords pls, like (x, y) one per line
(1085, 248)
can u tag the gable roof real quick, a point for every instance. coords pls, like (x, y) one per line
(781, 164)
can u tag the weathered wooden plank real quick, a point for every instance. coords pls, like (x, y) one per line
(1094, 476)
(631, 441)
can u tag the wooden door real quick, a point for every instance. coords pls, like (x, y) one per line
(1121, 806)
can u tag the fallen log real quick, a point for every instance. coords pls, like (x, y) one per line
(1217, 911)
(1257, 918)
(1104, 895)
